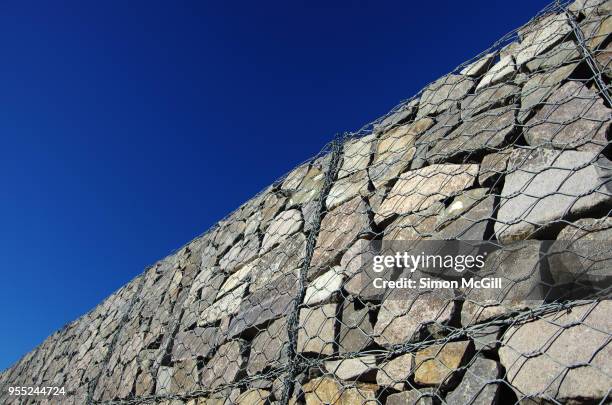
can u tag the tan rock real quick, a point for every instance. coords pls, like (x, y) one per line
(326, 390)
(316, 332)
(358, 368)
(356, 155)
(443, 94)
(322, 287)
(347, 188)
(396, 372)
(284, 225)
(437, 365)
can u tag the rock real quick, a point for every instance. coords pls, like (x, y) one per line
(234, 280)
(356, 329)
(565, 52)
(405, 319)
(573, 117)
(422, 396)
(310, 212)
(596, 29)
(227, 233)
(272, 205)
(394, 150)
(356, 155)
(269, 347)
(418, 189)
(546, 185)
(352, 264)
(254, 396)
(467, 218)
(604, 59)
(316, 332)
(323, 287)
(478, 386)
(310, 187)
(540, 36)
(415, 226)
(358, 368)
(285, 258)
(580, 259)
(445, 123)
(164, 379)
(265, 304)
(294, 178)
(224, 366)
(185, 377)
(443, 94)
(225, 306)
(347, 188)
(400, 115)
(487, 131)
(488, 98)
(486, 338)
(326, 390)
(242, 252)
(439, 365)
(519, 267)
(339, 228)
(284, 224)
(539, 362)
(396, 372)
(479, 67)
(588, 7)
(195, 343)
(493, 166)
(503, 70)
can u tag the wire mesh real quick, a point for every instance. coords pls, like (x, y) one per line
(275, 304)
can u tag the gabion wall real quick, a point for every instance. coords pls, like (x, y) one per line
(271, 305)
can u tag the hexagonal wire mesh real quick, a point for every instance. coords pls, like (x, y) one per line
(275, 303)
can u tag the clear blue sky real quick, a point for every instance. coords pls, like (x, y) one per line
(128, 128)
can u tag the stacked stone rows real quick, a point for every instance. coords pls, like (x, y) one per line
(272, 304)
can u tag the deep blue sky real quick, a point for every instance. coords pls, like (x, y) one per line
(128, 128)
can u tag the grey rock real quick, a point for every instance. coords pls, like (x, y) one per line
(394, 151)
(415, 226)
(316, 333)
(323, 287)
(421, 396)
(339, 228)
(546, 185)
(468, 217)
(269, 347)
(444, 93)
(195, 343)
(519, 267)
(445, 123)
(486, 338)
(486, 131)
(565, 52)
(403, 114)
(489, 98)
(574, 117)
(478, 386)
(284, 225)
(440, 365)
(541, 35)
(538, 361)
(225, 306)
(356, 155)
(347, 188)
(419, 189)
(480, 66)
(504, 70)
(358, 368)
(225, 365)
(309, 188)
(493, 166)
(356, 329)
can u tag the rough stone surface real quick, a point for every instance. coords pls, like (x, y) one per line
(356, 155)
(488, 98)
(339, 228)
(574, 117)
(418, 189)
(546, 373)
(284, 225)
(225, 365)
(326, 390)
(479, 67)
(445, 123)
(477, 386)
(316, 332)
(487, 131)
(254, 396)
(541, 36)
(322, 287)
(356, 328)
(422, 396)
(396, 372)
(493, 166)
(439, 365)
(394, 151)
(347, 188)
(503, 70)
(358, 368)
(269, 347)
(544, 186)
(443, 94)
(565, 52)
